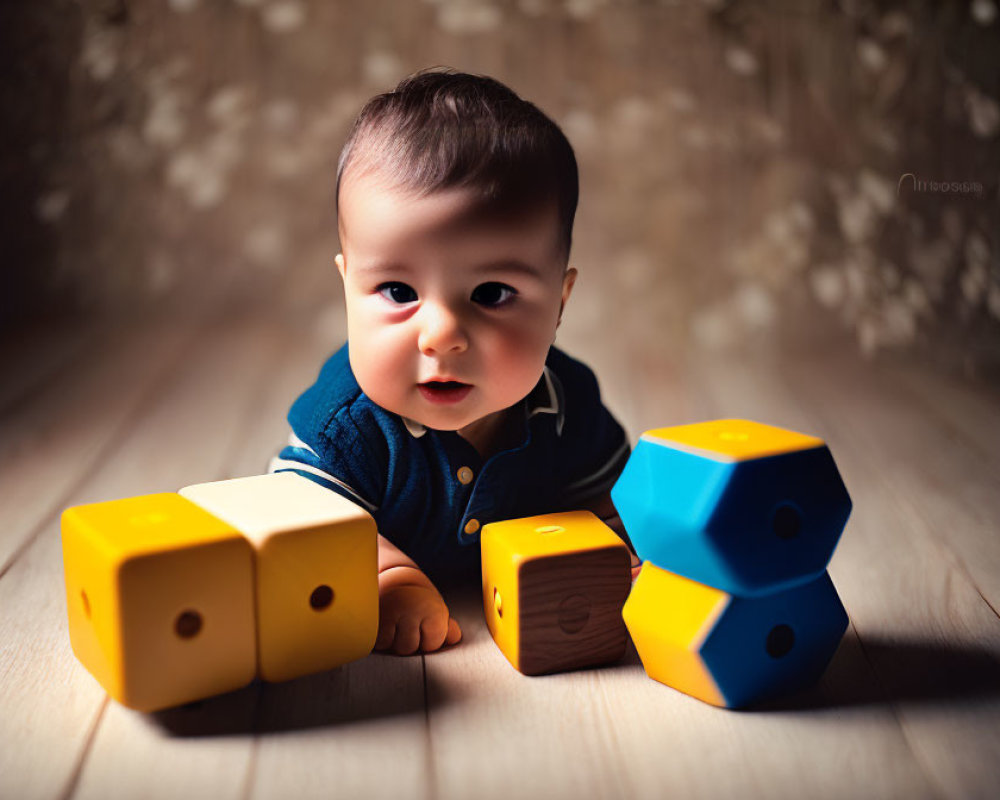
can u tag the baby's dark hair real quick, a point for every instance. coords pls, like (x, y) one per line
(441, 129)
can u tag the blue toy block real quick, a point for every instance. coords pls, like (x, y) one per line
(744, 507)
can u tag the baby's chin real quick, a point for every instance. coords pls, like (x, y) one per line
(443, 421)
(418, 410)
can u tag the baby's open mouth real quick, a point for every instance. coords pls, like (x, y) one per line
(444, 391)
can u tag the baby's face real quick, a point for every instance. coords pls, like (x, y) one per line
(450, 312)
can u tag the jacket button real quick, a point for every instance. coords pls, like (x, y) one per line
(465, 475)
(472, 526)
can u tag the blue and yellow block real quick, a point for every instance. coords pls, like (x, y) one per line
(736, 522)
(745, 507)
(732, 651)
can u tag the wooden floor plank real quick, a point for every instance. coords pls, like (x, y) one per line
(809, 745)
(356, 731)
(52, 443)
(49, 704)
(301, 353)
(930, 559)
(176, 439)
(932, 641)
(929, 456)
(31, 357)
(966, 410)
(498, 734)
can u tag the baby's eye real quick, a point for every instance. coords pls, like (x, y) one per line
(397, 292)
(493, 294)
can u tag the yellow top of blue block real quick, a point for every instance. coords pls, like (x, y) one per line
(733, 439)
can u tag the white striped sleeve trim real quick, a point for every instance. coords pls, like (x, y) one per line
(295, 441)
(284, 465)
(606, 472)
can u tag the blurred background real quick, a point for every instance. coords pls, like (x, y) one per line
(761, 174)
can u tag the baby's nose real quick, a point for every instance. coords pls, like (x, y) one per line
(441, 332)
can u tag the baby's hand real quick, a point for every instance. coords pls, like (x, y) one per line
(412, 615)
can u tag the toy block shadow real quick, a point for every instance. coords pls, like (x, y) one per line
(901, 672)
(363, 691)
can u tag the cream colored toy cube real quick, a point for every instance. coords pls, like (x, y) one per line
(316, 569)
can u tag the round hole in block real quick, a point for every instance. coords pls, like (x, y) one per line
(780, 641)
(497, 602)
(550, 529)
(188, 624)
(321, 597)
(787, 521)
(574, 613)
(86, 603)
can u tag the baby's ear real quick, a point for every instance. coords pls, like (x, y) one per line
(339, 261)
(568, 280)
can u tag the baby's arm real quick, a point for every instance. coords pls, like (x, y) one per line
(605, 509)
(413, 616)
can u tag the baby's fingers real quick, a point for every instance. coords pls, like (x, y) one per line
(433, 632)
(454, 632)
(386, 634)
(407, 639)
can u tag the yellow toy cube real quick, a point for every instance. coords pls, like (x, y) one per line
(159, 595)
(316, 569)
(553, 590)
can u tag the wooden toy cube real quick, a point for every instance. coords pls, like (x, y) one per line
(732, 651)
(159, 595)
(553, 590)
(745, 507)
(316, 569)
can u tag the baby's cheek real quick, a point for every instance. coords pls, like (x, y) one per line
(379, 364)
(519, 359)
(530, 337)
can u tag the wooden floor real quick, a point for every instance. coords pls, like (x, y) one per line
(910, 706)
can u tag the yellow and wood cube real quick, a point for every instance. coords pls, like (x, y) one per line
(553, 590)
(316, 569)
(159, 596)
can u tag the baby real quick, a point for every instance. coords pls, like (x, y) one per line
(449, 407)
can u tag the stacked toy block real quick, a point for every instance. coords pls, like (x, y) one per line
(735, 522)
(176, 597)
